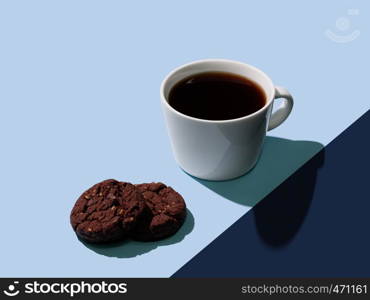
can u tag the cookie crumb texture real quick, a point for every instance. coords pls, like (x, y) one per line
(107, 211)
(168, 212)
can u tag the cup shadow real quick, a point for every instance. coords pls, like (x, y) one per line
(131, 248)
(279, 159)
(279, 217)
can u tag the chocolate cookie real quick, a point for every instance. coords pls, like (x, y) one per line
(168, 212)
(107, 211)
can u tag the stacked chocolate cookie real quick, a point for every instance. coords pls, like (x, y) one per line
(113, 210)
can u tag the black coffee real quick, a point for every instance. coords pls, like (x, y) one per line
(217, 96)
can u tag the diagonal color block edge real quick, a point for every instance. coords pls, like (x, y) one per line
(314, 224)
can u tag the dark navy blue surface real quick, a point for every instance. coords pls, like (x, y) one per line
(315, 224)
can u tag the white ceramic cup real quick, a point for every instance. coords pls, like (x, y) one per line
(221, 150)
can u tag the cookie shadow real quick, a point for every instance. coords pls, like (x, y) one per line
(130, 248)
(279, 159)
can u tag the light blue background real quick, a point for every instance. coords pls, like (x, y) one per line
(79, 103)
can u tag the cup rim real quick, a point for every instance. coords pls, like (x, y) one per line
(210, 60)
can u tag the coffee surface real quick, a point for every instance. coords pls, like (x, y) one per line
(217, 96)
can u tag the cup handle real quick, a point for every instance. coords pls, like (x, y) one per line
(280, 115)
